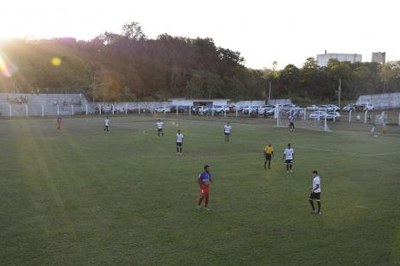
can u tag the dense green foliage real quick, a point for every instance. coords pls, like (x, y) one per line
(130, 66)
(83, 196)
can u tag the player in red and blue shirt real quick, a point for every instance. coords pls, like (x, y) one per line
(204, 181)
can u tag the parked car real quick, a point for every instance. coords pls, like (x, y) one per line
(318, 115)
(265, 110)
(333, 116)
(220, 109)
(349, 107)
(312, 107)
(369, 107)
(162, 109)
(202, 110)
(250, 109)
(321, 115)
(328, 107)
(364, 107)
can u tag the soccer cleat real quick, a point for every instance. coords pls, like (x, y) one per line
(291, 171)
(207, 209)
(198, 207)
(319, 213)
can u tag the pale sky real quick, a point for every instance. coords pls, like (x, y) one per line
(263, 31)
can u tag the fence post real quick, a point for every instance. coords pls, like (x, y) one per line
(58, 109)
(86, 109)
(72, 109)
(350, 115)
(10, 109)
(42, 110)
(365, 116)
(399, 120)
(26, 110)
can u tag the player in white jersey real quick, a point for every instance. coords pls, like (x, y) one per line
(160, 125)
(227, 131)
(107, 124)
(315, 193)
(179, 142)
(288, 156)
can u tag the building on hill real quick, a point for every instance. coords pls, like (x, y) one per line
(379, 57)
(323, 59)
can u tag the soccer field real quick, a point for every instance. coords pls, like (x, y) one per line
(83, 196)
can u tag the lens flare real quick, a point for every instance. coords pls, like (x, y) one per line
(7, 68)
(56, 61)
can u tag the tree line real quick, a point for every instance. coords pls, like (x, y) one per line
(130, 66)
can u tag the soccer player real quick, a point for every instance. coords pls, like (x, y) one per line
(291, 122)
(268, 153)
(59, 122)
(204, 181)
(227, 131)
(315, 193)
(288, 156)
(179, 142)
(160, 125)
(107, 124)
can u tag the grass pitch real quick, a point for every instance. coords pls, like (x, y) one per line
(83, 196)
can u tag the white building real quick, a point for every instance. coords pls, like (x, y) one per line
(379, 57)
(381, 101)
(323, 59)
(198, 102)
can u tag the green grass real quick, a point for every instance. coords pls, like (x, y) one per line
(86, 197)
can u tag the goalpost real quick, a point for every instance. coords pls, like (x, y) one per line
(301, 119)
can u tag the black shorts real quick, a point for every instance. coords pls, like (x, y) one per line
(159, 129)
(291, 125)
(315, 196)
(268, 156)
(179, 144)
(288, 161)
(227, 134)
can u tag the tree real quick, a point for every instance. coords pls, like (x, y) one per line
(289, 80)
(133, 31)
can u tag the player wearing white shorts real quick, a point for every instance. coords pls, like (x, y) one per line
(160, 125)
(179, 142)
(288, 156)
(107, 124)
(315, 193)
(227, 131)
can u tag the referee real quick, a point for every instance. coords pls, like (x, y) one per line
(268, 153)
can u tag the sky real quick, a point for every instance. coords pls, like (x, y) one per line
(263, 31)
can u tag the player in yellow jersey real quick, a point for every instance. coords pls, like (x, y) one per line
(268, 153)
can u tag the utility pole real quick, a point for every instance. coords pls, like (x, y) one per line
(93, 85)
(269, 92)
(340, 91)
